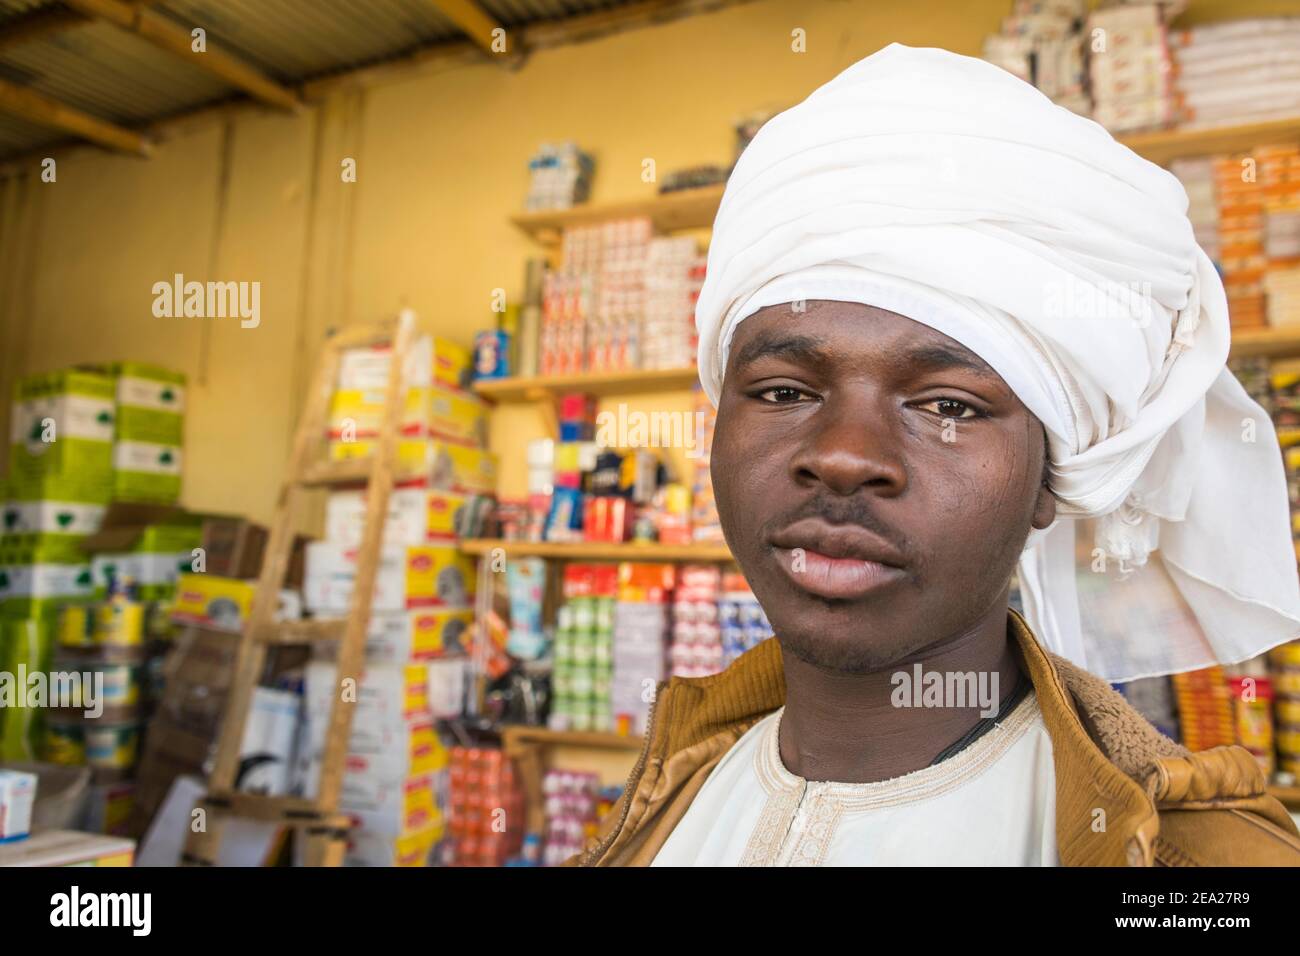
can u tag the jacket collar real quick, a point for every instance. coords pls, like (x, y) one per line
(1103, 815)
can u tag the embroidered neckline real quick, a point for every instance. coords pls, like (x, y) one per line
(829, 801)
(912, 787)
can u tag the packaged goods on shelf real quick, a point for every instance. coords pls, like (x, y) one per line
(741, 618)
(148, 433)
(420, 634)
(408, 576)
(525, 584)
(17, 796)
(387, 696)
(1252, 707)
(583, 657)
(416, 515)
(492, 349)
(559, 177)
(1130, 76)
(1241, 71)
(223, 604)
(26, 647)
(47, 516)
(1284, 668)
(696, 649)
(367, 848)
(1042, 44)
(437, 411)
(674, 272)
(570, 805)
(1204, 708)
(39, 572)
(485, 823)
(641, 635)
(431, 360)
(440, 464)
(61, 427)
(1198, 179)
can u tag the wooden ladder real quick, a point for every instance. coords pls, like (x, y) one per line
(317, 821)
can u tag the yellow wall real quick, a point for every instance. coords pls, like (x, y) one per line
(441, 166)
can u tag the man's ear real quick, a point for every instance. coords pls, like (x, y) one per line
(1044, 507)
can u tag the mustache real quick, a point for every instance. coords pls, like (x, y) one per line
(842, 511)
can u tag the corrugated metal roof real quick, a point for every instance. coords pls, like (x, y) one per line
(115, 76)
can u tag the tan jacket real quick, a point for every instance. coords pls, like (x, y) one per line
(1163, 805)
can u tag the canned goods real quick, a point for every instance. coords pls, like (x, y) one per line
(584, 649)
(112, 746)
(65, 743)
(77, 626)
(120, 624)
(1287, 710)
(584, 615)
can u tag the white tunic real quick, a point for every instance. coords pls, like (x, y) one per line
(992, 804)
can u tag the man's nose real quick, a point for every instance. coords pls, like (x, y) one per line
(851, 442)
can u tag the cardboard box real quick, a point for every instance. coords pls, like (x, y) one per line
(436, 412)
(397, 637)
(61, 423)
(39, 572)
(17, 794)
(387, 696)
(431, 359)
(445, 465)
(407, 577)
(366, 848)
(224, 604)
(49, 516)
(415, 516)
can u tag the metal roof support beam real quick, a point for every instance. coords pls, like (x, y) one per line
(164, 33)
(34, 107)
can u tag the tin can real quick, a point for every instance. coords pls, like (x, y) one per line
(65, 743)
(112, 746)
(77, 626)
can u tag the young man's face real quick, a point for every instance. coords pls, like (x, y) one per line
(876, 481)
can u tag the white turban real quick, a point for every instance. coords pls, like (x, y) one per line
(944, 189)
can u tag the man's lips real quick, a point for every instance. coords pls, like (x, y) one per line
(836, 561)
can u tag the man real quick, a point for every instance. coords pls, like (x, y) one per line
(944, 322)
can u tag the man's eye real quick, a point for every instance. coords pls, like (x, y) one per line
(781, 395)
(951, 408)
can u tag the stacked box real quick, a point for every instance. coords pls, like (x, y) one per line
(1241, 220)
(416, 515)
(1284, 666)
(1204, 709)
(26, 645)
(1198, 179)
(641, 636)
(697, 636)
(1236, 72)
(571, 799)
(1129, 77)
(706, 526)
(1041, 43)
(1279, 180)
(741, 618)
(486, 820)
(673, 275)
(61, 441)
(40, 572)
(428, 412)
(559, 176)
(149, 433)
(394, 761)
(408, 577)
(582, 676)
(161, 554)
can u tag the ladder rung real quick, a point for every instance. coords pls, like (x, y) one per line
(290, 811)
(305, 631)
(325, 473)
(352, 471)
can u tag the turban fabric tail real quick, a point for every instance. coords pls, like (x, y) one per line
(944, 189)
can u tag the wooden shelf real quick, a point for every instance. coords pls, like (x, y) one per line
(670, 212)
(1289, 797)
(516, 734)
(597, 551)
(1165, 145)
(538, 387)
(1269, 342)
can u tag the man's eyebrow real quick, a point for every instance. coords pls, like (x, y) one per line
(938, 357)
(805, 348)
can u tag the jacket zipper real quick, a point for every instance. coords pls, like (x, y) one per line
(632, 781)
